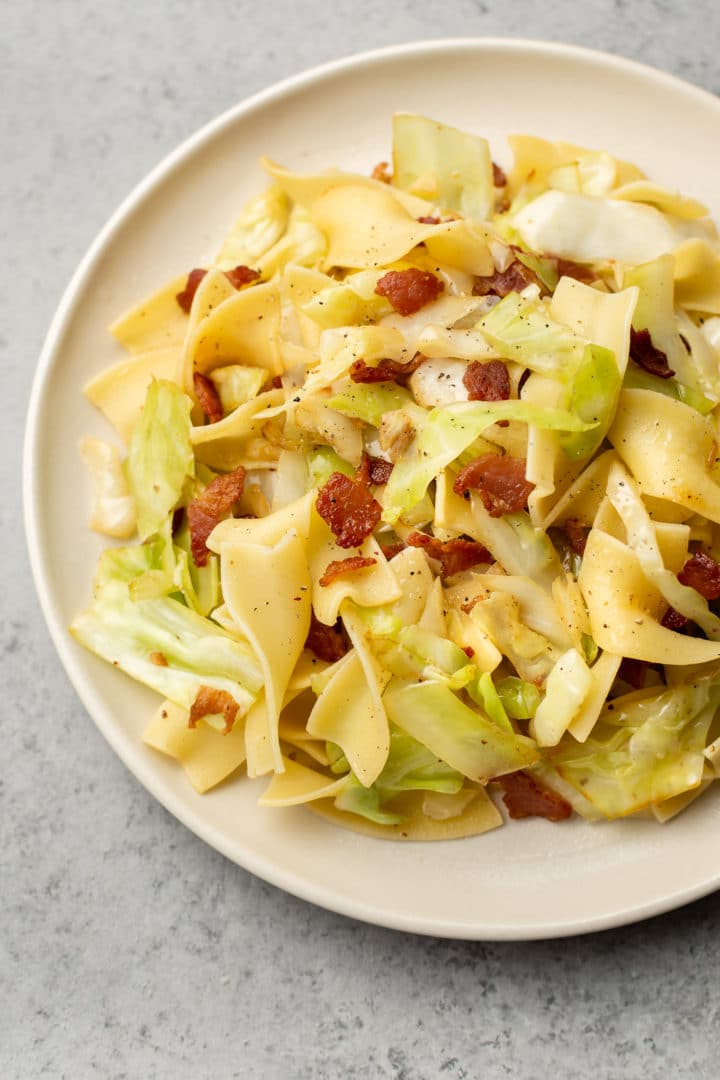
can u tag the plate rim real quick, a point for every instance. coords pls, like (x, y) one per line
(264, 868)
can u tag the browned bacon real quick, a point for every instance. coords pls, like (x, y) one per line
(487, 381)
(382, 172)
(348, 508)
(525, 797)
(212, 702)
(207, 395)
(702, 573)
(209, 507)
(500, 482)
(453, 555)
(577, 533)
(238, 276)
(345, 566)
(515, 278)
(374, 470)
(647, 356)
(329, 643)
(385, 370)
(409, 290)
(499, 177)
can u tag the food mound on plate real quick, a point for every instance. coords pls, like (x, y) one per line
(419, 493)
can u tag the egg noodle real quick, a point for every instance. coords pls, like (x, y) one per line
(419, 493)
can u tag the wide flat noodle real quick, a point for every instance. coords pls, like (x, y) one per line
(535, 159)
(307, 188)
(223, 445)
(297, 784)
(244, 328)
(267, 530)
(603, 673)
(349, 712)
(207, 756)
(267, 591)
(479, 816)
(158, 322)
(119, 391)
(667, 446)
(625, 609)
(697, 276)
(372, 587)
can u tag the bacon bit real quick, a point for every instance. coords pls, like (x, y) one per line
(487, 381)
(213, 702)
(242, 275)
(159, 659)
(525, 797)
(348, 508)
(276, 382)
(499, 177)
(209, 507)
(516, 278)
(186, 297)
(207, 395)
(453, 555)
(469, 651)
(647, 356)
(409, 290)
(345, 566)
(382, 172)
(428, 219)
(500, 481)
(238, 276)
(391, 550)
(702, 573)
(577, 533)
(374, 470)
(673, 620)
(633, 672)
(568, 268)
(385, 370)
(329, 643)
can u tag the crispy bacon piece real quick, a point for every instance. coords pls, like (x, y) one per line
(673, 620)
(212, 702)
(409, 290)
(633, 672)
(391, 550)
(382, 172)
(702, 573)
(242, 275)
(238, 276)
(345, 566)
(348, 508)
(647, 356)
(453, 555)
(577, 533)
(499, 177)
(186, 297)
(487, 381)
(514, 279)
(209, 507)
(374, 470)
(568, 268)
(329, 643)
(525, 797)
(208, 397)
(500, 481)
(385, 370)
(429, 219)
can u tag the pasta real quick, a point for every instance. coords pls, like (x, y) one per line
(419, 499)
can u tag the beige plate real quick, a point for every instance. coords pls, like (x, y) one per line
(528, 880)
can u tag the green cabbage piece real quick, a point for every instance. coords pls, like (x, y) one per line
(459, 163)
(593, 396)
(485, 693)
(647, 749)
(520, 699)
(261, 224)
(370, 401)
(522, 330)
(302, 243)
(446, 432)
(322, 462)
(410, 767)
(127, 632)
(637, 379)
(463, 737)
(160, 456)
(415, 653)
(236, 384)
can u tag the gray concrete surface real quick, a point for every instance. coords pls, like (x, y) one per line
(128, 949)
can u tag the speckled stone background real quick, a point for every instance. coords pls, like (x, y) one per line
(129, 949)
